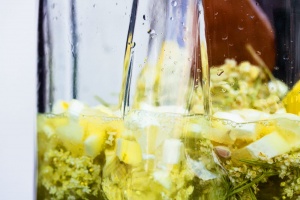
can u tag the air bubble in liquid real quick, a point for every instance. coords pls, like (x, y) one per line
(151, 33)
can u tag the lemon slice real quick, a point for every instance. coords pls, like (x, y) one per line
(292, 100)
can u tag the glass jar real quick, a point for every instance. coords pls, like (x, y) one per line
(80, 98)
(253, 124)
(207, 103)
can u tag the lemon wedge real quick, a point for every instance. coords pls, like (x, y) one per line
(292, 100)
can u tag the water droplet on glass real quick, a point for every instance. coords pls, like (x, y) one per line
(257, 3)
(223, 90)
(94, 5)
(220, 72)
(225, 37)
(116, 4)
(286, 57)
(258, 53)
(53, 5)
(132, 45)
(216, 13)
(230, 45)
(171, 18)
(144, 17)
(252, 16)
(198, 70)
(233, 124)
(151, 33)
(174, 3)
(276, 68)
(240, 28)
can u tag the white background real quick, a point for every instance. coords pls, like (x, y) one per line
(17, 98)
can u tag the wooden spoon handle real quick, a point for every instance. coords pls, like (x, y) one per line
(231, 25)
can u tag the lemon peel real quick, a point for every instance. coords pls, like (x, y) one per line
(292, 100)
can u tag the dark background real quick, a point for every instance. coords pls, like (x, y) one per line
(284, 16)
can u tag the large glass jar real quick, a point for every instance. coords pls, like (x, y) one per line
(206, 104)
(253, 124)
(80, 98)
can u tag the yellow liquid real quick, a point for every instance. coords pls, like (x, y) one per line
(124, 163)
(70, 155)
(165, 156)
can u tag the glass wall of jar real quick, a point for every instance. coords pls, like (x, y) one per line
(211, 108)
(152, 161)
(80, 78)
(253, 121)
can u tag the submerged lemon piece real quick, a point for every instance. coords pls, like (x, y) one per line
(60, 107)
(93, 145)
(265, 127)
(71, 135)
(269, 146)
(129, 151)
(99, 132)
(266, 147)
(288, 125)
(292, 100)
